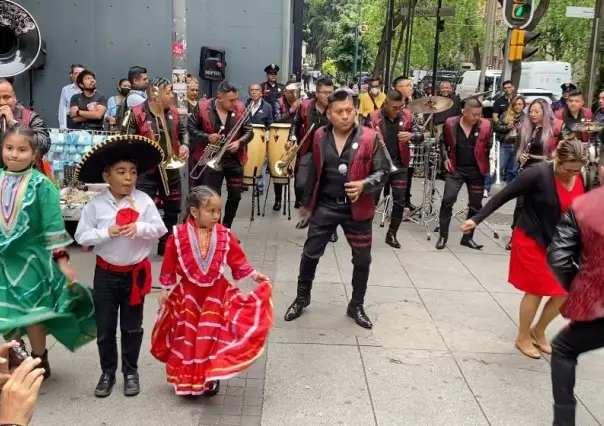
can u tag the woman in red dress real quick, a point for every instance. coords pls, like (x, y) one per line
(548, 189)
(207, 330)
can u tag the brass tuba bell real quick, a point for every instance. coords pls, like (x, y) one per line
(295, 88)
(21, 42)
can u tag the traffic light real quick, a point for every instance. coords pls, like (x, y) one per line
(518, 13)
(518, 49)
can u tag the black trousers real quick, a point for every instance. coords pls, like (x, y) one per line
(453, 183)
(151, 184)
(575, 339)
(322, 225)
(278, 191)
(112, 296)
(233, 173)
(410, 172)
(398, 185)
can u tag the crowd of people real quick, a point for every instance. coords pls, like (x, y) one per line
(349, 146)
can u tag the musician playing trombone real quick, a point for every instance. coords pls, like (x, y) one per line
(157, 119)
(398, 128)
(209, 124)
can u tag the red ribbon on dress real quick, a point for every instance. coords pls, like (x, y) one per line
(143, 267)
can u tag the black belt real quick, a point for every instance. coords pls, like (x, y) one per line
(335, 200)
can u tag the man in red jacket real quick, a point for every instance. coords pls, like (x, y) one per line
(575, 257)
(465, 145)
(574, 113)
(341, 173)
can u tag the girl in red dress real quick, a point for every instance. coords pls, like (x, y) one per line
(548, 189)
(207, 330)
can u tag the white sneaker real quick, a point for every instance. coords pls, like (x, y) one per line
(485, 194)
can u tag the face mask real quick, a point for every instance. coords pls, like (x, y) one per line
(375, 90)
(124, 91)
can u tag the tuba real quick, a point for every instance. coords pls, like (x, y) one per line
(21, 42)
(172, 161)
(296, 89)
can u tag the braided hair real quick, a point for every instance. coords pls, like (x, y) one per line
(198, 197)
(157, 83)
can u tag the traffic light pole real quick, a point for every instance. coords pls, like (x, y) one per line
(436, 47)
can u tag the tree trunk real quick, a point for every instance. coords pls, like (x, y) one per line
(476, 54)
(399, 44)
(381, 54)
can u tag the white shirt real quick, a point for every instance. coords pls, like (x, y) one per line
(65, 103)
(100, 213)
(256, 106)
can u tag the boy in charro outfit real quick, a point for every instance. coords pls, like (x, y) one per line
(121, 224)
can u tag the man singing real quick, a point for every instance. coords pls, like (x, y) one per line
(213, 119)
(147, 121)
(397, 127)
(312, 111)
(465, 144)
(346, 167)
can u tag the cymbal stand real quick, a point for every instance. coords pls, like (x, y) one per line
(255, 196)
(286, 194)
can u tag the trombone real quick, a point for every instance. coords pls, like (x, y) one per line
(172, 161)
(393, 168)
(284, 164)
(214, 152)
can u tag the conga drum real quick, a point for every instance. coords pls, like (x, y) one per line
(256, 154)
(279, 133)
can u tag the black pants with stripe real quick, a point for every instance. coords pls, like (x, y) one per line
(151, 184)
(326, 218)
(233, 173)
(453, 182)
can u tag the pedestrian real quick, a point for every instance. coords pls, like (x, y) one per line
(114, 102)
(207, 330)
(575, 257)
(122, 224)
(42, 297)
(548, 189)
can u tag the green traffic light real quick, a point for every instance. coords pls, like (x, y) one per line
(522, 10)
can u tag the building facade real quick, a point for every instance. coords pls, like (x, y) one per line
(109, 36)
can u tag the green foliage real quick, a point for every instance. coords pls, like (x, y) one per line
(329, 67)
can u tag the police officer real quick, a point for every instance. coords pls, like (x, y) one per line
(561, 104)
(271, 90)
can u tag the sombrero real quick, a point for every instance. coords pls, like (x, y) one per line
(146, 153)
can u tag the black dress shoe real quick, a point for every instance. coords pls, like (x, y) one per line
(104, 386)
(334, 238)
(411, 207)
(44, 364)
(357, 313)
(392, 241)
(297, 204)
(441, 243)
(132, 386)
(295, 309)
(277, 206)
(469, 242)
(214, 389)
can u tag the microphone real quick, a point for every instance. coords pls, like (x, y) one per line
(343, 169)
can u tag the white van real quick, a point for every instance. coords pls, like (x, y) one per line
(468, 84)
(546, 75)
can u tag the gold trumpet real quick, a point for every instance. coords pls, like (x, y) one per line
(172, 161)
(284, 164)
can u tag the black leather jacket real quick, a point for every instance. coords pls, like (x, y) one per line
(564, 250)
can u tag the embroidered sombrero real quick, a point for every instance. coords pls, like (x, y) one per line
(146, 153)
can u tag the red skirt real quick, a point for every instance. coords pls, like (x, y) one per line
(529, 271)
(213, 333)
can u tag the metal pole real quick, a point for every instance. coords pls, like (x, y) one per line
(408, 40)
(507, 65)
(488, 36)
(436, 47)
(593, 56)
(356, 52)
(389, 25)
(298, 19)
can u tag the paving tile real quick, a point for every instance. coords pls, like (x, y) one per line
(251, 421)
(490, 271)
(420, 388)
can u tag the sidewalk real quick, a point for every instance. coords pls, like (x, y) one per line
(441, 351)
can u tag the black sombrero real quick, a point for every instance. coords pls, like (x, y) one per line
(146, 153)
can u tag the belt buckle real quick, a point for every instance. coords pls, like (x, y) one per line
(342, 200)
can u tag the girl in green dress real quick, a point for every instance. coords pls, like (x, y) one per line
(38, 293)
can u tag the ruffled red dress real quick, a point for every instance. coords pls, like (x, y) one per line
(529, 271)
(208, 330)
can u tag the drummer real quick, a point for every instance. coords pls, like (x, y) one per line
(574, 113)
(262, 113)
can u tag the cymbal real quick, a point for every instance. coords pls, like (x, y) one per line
(587, 127)
(430, 105)
(477, 95)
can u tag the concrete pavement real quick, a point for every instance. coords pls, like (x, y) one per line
(441, 351)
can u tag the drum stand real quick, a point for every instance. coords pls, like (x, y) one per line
(287, 205)
(255, 196)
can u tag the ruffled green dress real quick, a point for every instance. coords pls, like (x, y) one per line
(32, 288)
